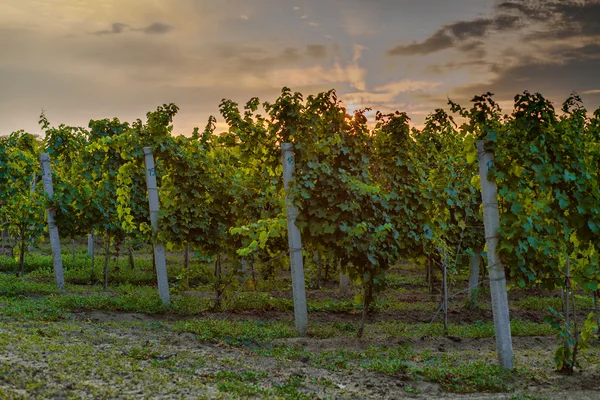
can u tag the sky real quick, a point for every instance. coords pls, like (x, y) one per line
(79, 60)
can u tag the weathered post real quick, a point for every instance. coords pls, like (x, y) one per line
(159, 248)
(52, 228)
(91, 245)
(31, 227)
(491, 220)
(568, 295)
(106, 259)
(474, 279)
(344, 283)
(294, 241)
(92, 254)
(445, 293)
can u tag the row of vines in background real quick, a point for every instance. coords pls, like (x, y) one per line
(368, 196)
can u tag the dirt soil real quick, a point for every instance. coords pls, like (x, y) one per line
(120, 355)
(116, 355)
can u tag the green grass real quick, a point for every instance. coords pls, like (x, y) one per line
(544, 303)
(29, 299)
(238, 333)
(463, 376)
(452, 374)
(131, 297)
(38, 317)
(475, 330)
(147, 367)
(395, 280)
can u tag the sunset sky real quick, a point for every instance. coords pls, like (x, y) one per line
(82, 60)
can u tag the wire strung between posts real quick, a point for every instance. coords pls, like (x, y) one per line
(234, 295)
(461, 292)
(442, 306)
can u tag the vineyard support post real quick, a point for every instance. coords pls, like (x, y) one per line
(130, 254)
(52, 228)
(294, 242)
(93, 277)
(243, 269)
(567, 304)
(106, 259)
(91, 244)
(445, 294)
(344, 283)
(159, 248)
(474, 279)
(33, 188)
(499, 294)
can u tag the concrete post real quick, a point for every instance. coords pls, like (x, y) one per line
(344, 283)
(445, 293)
(91, 244)
(159, 248)
(52, 228)
(474, 279)
(33, 187)
(491, 219)
(294, 242)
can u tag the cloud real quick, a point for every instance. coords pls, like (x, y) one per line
(317, 51)
(479, 65)
(384, 95)
(475, 48)
(440, 40)
(257, 68)
(548, 19)
(275, 47)
(470, 29)
(406, 85)
(506, 22)
(336, 74)
(557, 19)
(522, 8)
(359, 22)
(565, 36)
(156, 28)
(248, 69)
(569, 72)
(456, 34)
(115, 29)
(545, 46)
(569, 19)
(565, 17)
(253, 60)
